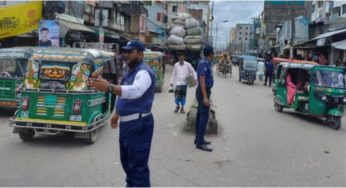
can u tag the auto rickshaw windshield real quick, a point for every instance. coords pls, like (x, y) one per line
(12, 67)
(250, 65)
(332, 79)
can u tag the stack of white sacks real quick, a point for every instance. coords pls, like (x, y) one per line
(185, 34)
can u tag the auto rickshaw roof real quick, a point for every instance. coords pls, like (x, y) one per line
(16, 53)
(330, 68)
(61, 54)
(249, 56)
(153, 54)
(297, 65)
(277, 60)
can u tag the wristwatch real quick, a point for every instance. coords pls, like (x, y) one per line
(110, 89)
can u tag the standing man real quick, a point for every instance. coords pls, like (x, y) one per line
(269, 72)
(203, 91)
(182, 69)
(260, 70)
(133, 110)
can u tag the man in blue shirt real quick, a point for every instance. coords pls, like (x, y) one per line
(269, 71)
(203, 91)
(133, 110)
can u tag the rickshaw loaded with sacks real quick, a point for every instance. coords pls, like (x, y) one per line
(55, 96)
(311, 89)
(12, 66)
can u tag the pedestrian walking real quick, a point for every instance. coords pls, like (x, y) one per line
(182, 70)
(133, 110)
(203, 91)
(269, 71)
(260, 70)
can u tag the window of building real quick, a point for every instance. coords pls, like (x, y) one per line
(240, 33)
(245, 33)
(241, 27)
(343, 9)
(158, 17)
(174, 8)
(245, 38)
(246, 28)
(320, 4)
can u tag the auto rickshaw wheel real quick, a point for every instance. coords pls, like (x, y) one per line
(335, 122)
(278, 107)
(26, 134)
(93, 135)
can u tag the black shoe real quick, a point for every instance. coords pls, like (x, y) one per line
(182, 111)
(205, 142)
(176, 109)
(204, 147)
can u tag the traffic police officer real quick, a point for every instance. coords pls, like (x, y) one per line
(203, 91)
(133, 109)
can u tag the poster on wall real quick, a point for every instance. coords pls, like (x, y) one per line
(48, 33)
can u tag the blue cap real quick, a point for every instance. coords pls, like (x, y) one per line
(208, 50)
(134, 44)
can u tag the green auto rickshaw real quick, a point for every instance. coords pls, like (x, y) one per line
(13, 63)
(56, 98)
(311, 89)
(155, 60)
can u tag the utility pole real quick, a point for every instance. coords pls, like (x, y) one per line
(101, 31)
(212, 22)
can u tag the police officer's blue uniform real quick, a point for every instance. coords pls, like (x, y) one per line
(136, 135)
(204, 69)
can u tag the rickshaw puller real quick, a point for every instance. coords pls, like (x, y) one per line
(133, 109)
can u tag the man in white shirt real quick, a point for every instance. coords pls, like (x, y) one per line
(182, 69)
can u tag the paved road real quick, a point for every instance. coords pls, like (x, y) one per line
(256, 146)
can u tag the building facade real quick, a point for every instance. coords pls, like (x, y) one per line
(276, 12)
(243, 34)
(157, 22)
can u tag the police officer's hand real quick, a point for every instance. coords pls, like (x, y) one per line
(99, 83)
(206, 102)
(114, 120)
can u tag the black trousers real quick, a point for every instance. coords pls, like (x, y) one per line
(270, 76)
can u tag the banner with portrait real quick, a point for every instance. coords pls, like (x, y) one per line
(48, 33)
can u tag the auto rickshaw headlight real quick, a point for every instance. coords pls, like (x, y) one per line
(324, 98)
(344, 100)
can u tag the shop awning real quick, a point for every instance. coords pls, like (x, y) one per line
(328, 34)
(107, 32)
(340, 45)
(67, 26)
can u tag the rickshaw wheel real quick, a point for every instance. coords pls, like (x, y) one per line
(335, 122)
(26, 134)
(278, 107)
